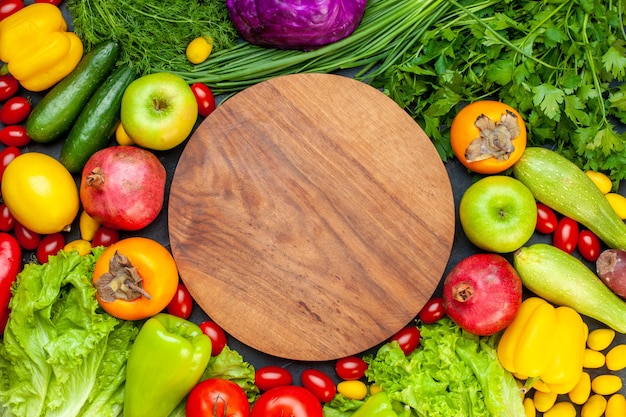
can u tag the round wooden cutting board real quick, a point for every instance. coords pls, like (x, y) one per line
(311, 217)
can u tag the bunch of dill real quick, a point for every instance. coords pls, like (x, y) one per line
(153, 34)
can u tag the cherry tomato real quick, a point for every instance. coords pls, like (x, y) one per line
(7, 221)
(15, 110)
(217, 397)
(546, 219)
(182, 303)
(432, 311)
(464, 130)
(216, 334)
(350, 368)
(7, 155)
(566, 235)
(320, 384)
(14, 135)
(8, 86)
(204, 97)
(55, 2)
(588, 245)
(49, 245)
(105, 236)
(272, 376)
(291, 400)
(8, 7)
(27, 239)
(408, 338)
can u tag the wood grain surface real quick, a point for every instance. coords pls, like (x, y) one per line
(310, 217)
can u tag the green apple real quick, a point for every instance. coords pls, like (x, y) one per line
(159, 111)
(498, 213)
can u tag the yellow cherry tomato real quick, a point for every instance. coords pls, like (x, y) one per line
(121, 137)
(156, 269)
(602, 181)
(600, 339)
(40, 193)
(354, 389)
(88, 226)
(81, 246)
(199, 49)
(488, 136)
(618, 202)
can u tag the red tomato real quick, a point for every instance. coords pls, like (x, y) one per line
(217, 397)
(105, 236)
(320, 384)
(216, 334)
(27, 239)
(14, 135)
(49, 246)
(182, 303)
(7, 155)
(272, 376)
(15, 110)
(55, 2)
(8, 85)
(291, 401)
(546, 219)
(7, 221)
(204, 97)
(432, 311)
(408, 338)
(566, 235)
(588, 245)
(8, 7)
(350, 368)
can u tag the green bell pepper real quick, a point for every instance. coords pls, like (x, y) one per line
(378, 405)
(165, 362)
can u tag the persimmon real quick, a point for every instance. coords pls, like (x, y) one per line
(488, 136)
(135, 278)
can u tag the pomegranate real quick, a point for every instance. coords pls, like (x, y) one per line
(482, 293)
(123, 187)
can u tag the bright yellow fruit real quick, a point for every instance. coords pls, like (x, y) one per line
(40, 193)
(199, 49)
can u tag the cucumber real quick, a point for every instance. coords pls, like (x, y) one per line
(564, 280)
(558, 183)
(54, 114)
(97, 122)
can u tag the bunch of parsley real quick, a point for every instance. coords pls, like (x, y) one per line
(559, 63)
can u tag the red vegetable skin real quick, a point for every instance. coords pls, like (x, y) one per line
(49, 245)
(611, 268)
(14, 135)
(182, 303)
(10, 266)
(271, 376)
(350, 368)
(291, 400)
(8, 85)
(432, 311)
(204, 98)
(7, 221)
(105, 236)
(15, 110)
(217, 397)
(320, 384)
(7, 155)
(54, 2)
(482, 293)
(27, 239)
(408, 338)
(216, 334)
(588, 245)
(546, 219)
(566, 235)
(8, 7)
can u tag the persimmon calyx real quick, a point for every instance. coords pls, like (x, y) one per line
(495, 138)
(121, 282)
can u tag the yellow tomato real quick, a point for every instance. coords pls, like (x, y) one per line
(81, 246)
(618, 202)
(354, 390)
(122, 137)
(602, 181)
(501, 124)
(88, 226)
(40, 193)
(199, 49)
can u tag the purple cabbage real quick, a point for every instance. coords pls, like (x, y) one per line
(295, 24)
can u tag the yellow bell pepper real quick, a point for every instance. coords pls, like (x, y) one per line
(546, 344)
(36, 46)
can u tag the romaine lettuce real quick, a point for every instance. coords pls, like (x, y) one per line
(61, 355)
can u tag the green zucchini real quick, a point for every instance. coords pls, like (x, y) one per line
(54, 114)
(564, 280)
(558, 183)
(97, 122)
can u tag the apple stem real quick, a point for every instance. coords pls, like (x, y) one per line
(462, 292)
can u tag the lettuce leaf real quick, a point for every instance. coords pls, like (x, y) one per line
(61, 354)
(452, 374)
